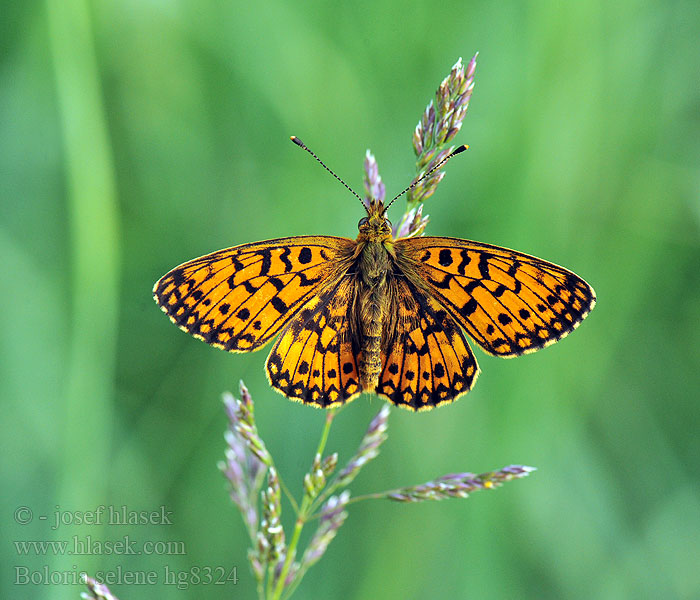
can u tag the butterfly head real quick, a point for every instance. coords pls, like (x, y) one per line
(375, 227)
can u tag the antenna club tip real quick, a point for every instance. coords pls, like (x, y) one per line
(296, 140)
(461, 148)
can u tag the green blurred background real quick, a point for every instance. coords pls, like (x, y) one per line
(135, 135)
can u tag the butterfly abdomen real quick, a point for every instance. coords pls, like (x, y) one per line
(374, 267)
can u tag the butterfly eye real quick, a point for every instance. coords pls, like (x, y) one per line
(363, 221)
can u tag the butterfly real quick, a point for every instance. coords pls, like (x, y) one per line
(375, 314)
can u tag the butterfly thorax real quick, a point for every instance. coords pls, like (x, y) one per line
(375, 255)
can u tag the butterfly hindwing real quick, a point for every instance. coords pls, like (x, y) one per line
(510, 303)
(429, 362)
(313, 361)
(237, 299)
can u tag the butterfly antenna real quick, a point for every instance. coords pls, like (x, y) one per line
(457, 150)
(301, 144)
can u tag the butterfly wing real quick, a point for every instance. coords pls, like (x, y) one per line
(428, 361)
(237, 299)
(314, 360)
(510, 303)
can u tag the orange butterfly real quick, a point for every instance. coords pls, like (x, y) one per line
(374, 314)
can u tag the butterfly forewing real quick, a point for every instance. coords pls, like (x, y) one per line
(313, 361)
(429, 361)
(510, 303)
(239, 298)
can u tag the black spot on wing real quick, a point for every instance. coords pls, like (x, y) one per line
(484, 264)
(444, 284)
(504, 319)
(305, 255)
(278, 304)
(266, 263)
(465, 259)
(284, 257)
(278, 283)
(469, 307)
(305, 281)
(445, 257)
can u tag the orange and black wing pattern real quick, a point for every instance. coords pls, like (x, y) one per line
(428, 361)
(238, 299)
(510, 303)
(314, 360)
